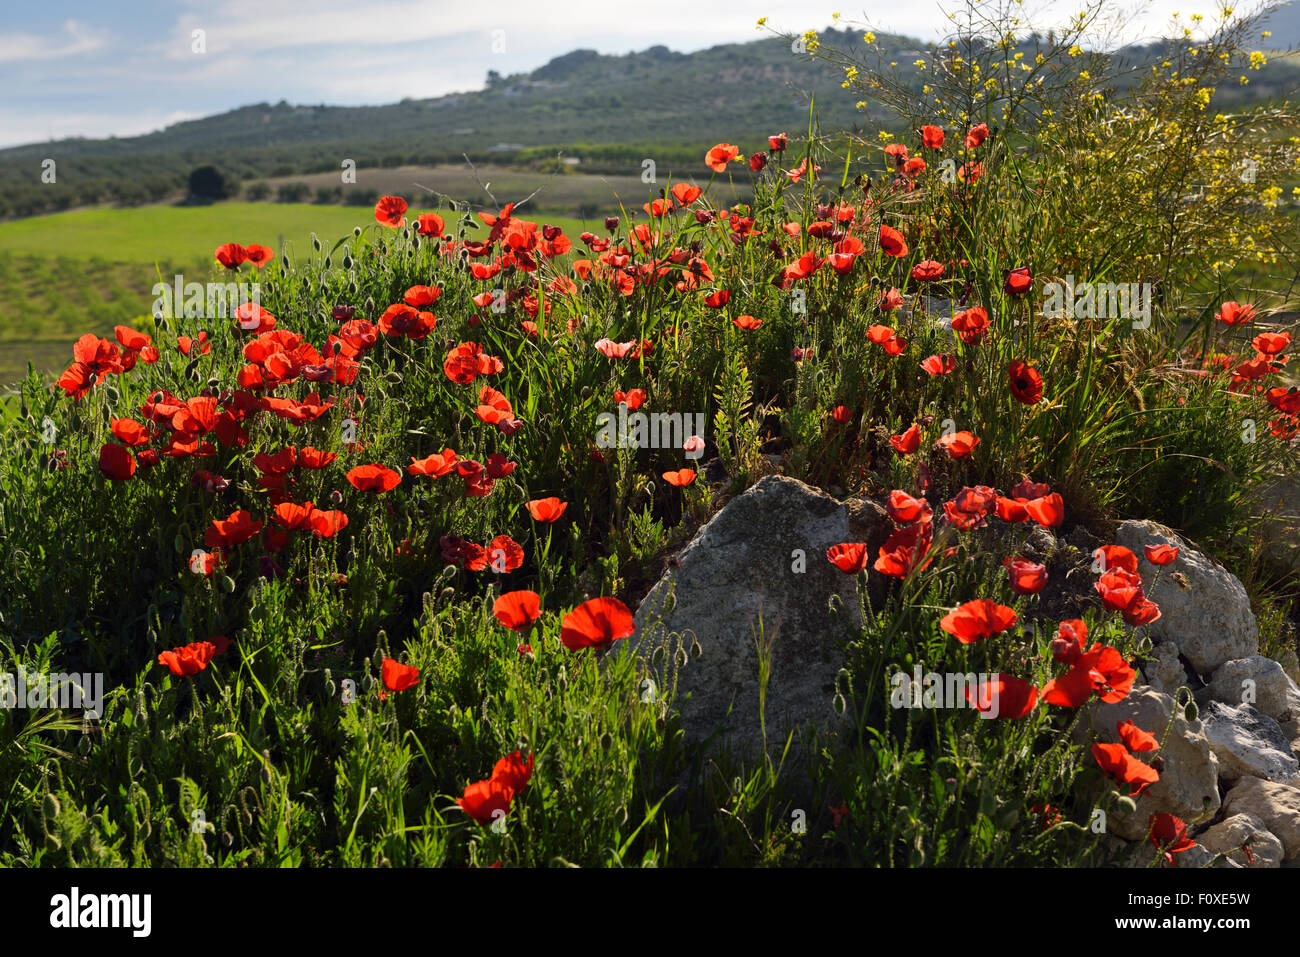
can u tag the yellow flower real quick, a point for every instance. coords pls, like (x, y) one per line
(869, 37)
(1257, 60)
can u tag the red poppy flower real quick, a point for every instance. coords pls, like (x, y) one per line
(1048, 511)
(1018, 282)
(486, 801)
(1235, 314)
(958, 445)
(189, 660)
(976, 136)
(235, 529)
(1010, 509)
(546, 509)
(435, 466)
(978, 619)
(633, 398)
(1284, 400)
(680, 478)
(905, 549)
(757, 161)
(503, 555)
(891, 300)
(513, 771)
(1115, 556)
(116, 462)
(805, 266)
(907, 442)
(748, 323)
(1169, 834)
(1026, 383)
(310, 458)
(597, 623)
(130, 432)
(1101, 670)
(1070, 641)
(932, 137)
(717, 158)
(430, 224)
(421, 295)
(842, 414)
(1134, 738)
(971, 325)
(374, 478)
(848, 557)
(718, 298)
(927, 271)
(1161, 554)
(904, 509)
(1006, 697)
(1118, 765)
(685, 193)
(517, 610)
(391, 211)
(939, 365)
(1268, 343)
(398, 677)
(258, 255)
(1027, 578)
(231, 255)
(326, 523)
(493, 406)
(614, 350)
(892, 242)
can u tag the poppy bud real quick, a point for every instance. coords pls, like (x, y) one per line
(336, 497)
(327, 262)
(347, 261)
(356, 230)
(611, 223)
(1126, 804)
(1158, 764)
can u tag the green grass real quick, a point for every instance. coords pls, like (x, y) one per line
(88, 270)
(149, 234)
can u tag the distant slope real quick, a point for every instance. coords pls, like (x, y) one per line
(610, 111)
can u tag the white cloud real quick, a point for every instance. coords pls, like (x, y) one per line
(77, 39)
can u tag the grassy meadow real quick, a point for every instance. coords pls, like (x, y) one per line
(360, 560)
(88, 270)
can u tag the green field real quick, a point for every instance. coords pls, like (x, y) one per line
(88, 270)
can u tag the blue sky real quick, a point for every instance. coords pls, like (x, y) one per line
(82, 68)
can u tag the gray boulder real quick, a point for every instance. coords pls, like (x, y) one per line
(1247, 742)
(1204, 609)
(1277, 805)
(1255, 680)
(1188, 785)
(757, 575)
(1230, 835)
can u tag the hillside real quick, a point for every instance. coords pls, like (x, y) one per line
(655, 103)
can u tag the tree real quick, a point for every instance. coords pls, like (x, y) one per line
(210, 183)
